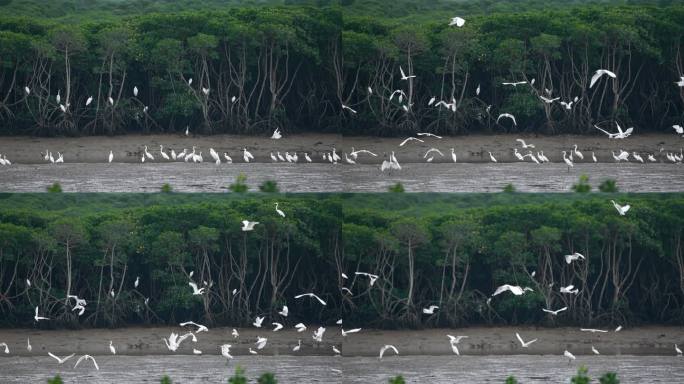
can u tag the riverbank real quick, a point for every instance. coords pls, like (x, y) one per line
(140, 341)
(468, 149)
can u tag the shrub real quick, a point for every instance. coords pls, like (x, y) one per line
(583, 185)
(397, 380)
(267, 378)
(55, 380)
(608, 186)
(239, 186)
(509, 188)
(54, 188)
(166, 380)
(166, 188)
(581, 377)
(511, 380)
(239, 376)
(609, 378)
(396, 188)
(269, 186)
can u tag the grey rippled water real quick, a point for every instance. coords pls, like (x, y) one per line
(317, 369)
(319, 177)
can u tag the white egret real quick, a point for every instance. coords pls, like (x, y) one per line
(524, 344)
(318, 334)
(679, 83)
(453, 155)
(284, 312)
(430, 310)
(575, 256)
(58, 97)
(300, 327)
(163, 154)
(187, 130)
(508, 115)
(679, 351)
(371, 276)
(569, 289)
(492, 158)
(306, 156)
(111, 348)
(477, 90)
(349, 108)
(311, 295)
(620, 133)
(298, 346)
(595, 351)
(569, 355)
(200, 327)
(679, 129)
(87, 357)
(261, 342)
(547, 100)
(6, 347)
(524, 144)
(246, 155)
(253, 352)
(276, 134)
(403, 75)
(651, 158)
(248, 225)
(27, 90)
(225, 351)
(409, 139)
(578, 153)
(38, 318)
(637, 157)
(514, 289)
(148, 154)
(196, 291)
(355, 330)
(229, 160)
(598, 74)
(593, 157)
(514, 84)
(196, 351)
(622, 209)
(278, 326)
(205, 91)
(619, 328)
(137, 282)
(257, 322)
(89, 100)
(386, 347)
(61, 360)
(111, 156)
(567, 160)
(592, 330)
(555, 313)
(457, 21)
(28, 345)
(337, 351)
(235, 333)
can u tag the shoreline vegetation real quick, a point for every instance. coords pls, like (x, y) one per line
(239, 377)
(96, 245)
(250, 70)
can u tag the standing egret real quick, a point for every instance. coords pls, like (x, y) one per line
(679, 351)
(135, 91)
(453, 155)
(280, 212)
(111, 348)
(276, 134)
(491, 157)
(298, 346)
(569, 355)
(111, 156)
(89, 100)
(225, 351)
(28, 345)
(246, 155)
(595, 351)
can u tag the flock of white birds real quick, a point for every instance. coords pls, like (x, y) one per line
(174, 340)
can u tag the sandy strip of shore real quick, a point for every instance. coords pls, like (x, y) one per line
(650, 340)
(471, 148)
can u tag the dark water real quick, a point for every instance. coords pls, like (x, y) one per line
(308, 369)
(319, 177)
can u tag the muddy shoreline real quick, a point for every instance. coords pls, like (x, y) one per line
(140, 341)
(469, 149)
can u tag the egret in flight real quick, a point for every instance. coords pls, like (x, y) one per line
(514, 289)
(575, 256)
(555, 313)
(248, 225)
(38, 318)
(403, 75)
(87, 357)
(598, 74)
(386, 347)
(524, 344)
(622, 209)
(355, 330)
(311, 295)
(371, 276)
(524, 144)
(508, 115)
(457, 21)
(409, 139)
(257, 322)
(430, 310)
(61, 360)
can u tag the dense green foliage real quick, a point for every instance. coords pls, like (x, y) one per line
(447, 250)
(294, 67)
